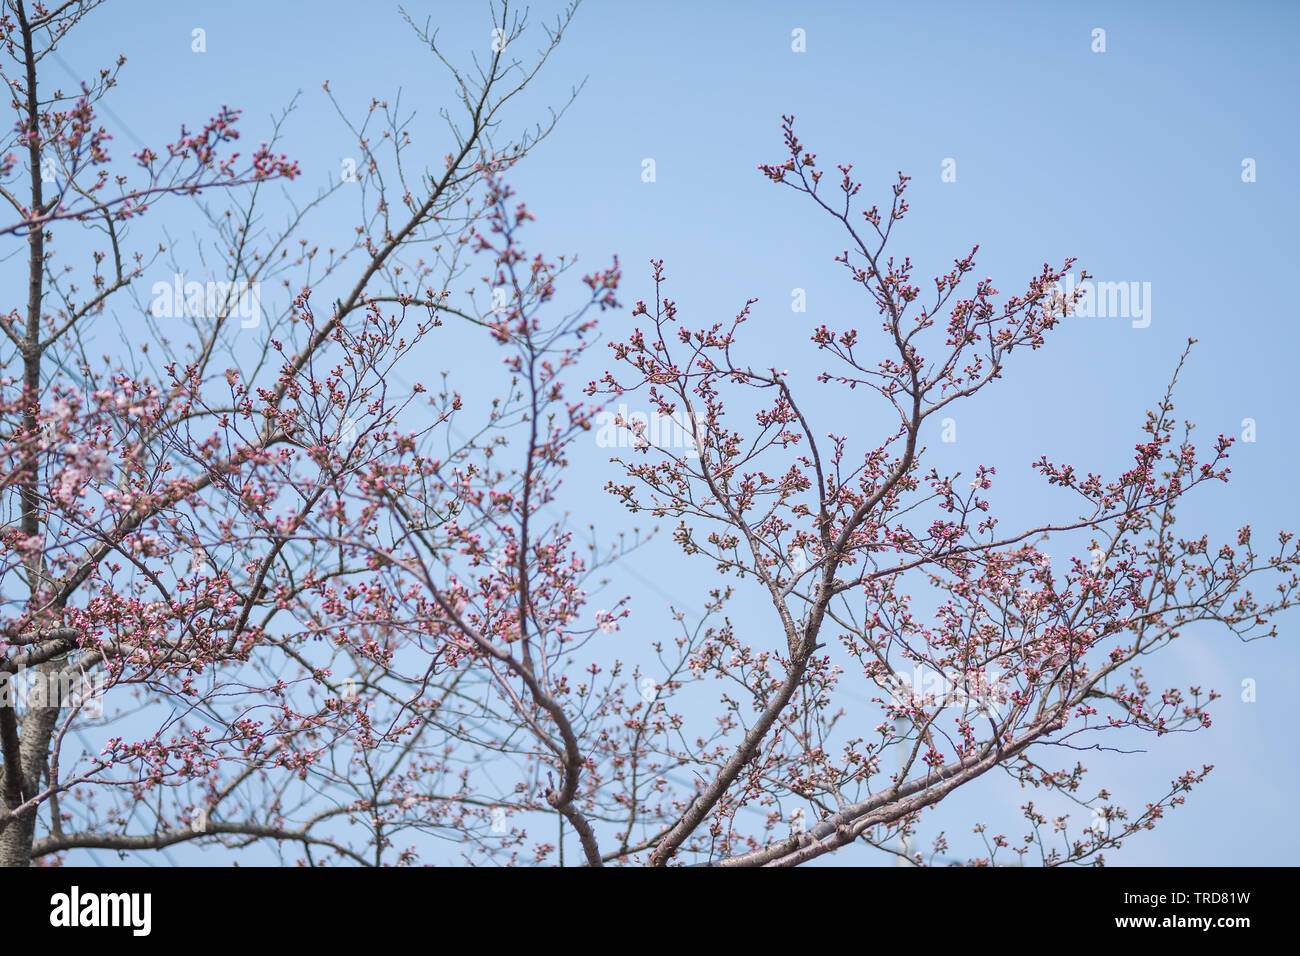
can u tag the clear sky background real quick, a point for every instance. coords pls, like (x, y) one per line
(1130, 159)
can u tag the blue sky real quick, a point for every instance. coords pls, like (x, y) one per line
(1130, 159)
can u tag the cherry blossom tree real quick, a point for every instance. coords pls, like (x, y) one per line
(271, 584)
(847, 540)
(167, 665)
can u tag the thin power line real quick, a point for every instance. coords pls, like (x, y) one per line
(101, 105)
